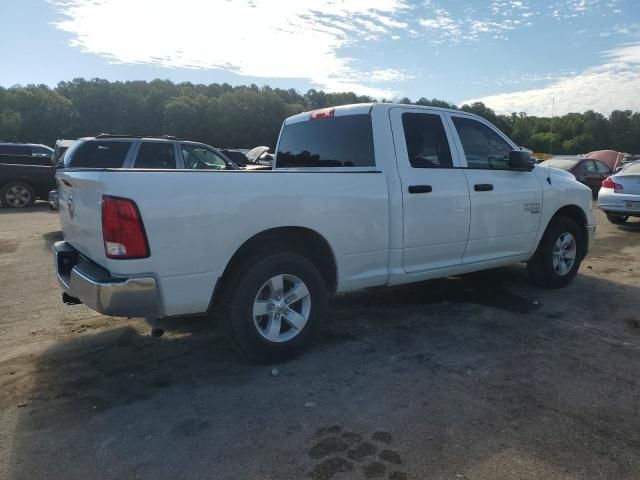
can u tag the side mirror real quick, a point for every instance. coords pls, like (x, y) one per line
(519, 160)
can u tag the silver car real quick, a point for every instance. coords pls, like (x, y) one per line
(619, 196)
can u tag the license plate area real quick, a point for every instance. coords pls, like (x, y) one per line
(629, 204)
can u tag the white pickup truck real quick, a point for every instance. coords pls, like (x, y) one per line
(359, 196)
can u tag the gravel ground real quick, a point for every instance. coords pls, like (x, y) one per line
(476, 377)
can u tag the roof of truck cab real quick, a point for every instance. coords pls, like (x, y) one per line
(365, 108)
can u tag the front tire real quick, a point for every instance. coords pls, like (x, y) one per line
(617, 219)
(273, 306)
(559, 254)
(16, 194)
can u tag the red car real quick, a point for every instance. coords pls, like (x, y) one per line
(586, 170)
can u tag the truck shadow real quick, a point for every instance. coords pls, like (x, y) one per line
(463, 369)
(50, 238)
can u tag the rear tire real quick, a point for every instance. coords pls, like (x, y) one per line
(17, 194)
(559, 254)
(261, 314)
(617, 219)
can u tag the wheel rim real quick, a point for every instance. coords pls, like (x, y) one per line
(18, 196)
(564, 253)
(281, 308)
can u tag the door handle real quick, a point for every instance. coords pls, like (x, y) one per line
(420, 189)
(483, 187)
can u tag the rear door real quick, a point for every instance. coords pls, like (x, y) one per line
(505, 204)
(435, 195)
(594, 173)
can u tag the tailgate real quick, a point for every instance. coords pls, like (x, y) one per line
(80, 195)
(630, 183)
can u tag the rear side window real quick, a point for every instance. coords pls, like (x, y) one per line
(602, 168)
(98, 154)
(427, 144)
(590, 166)
(342, 141)
(40, 152)
(155, 155)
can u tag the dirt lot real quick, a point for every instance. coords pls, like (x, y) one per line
(478, 377)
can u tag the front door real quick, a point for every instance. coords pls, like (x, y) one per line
(435, 196)
(505, 204)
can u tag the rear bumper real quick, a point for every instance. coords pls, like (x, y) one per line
(95, 287)
(618, 203)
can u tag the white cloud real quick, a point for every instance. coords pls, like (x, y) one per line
(613, 85)
(261, 38)
(389, 75)
(495, 20)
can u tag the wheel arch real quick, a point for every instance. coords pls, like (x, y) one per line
(302, 240)
(577, 214)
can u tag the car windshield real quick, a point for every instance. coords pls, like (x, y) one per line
(561, 164)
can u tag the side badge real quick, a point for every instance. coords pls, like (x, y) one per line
(532, 207)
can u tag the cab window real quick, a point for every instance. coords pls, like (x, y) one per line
(483, 148)
(426, 141)
(335, 142)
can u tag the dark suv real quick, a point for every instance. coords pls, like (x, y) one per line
(121, 151)
(26, 173)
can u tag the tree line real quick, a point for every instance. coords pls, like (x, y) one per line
(245, 116)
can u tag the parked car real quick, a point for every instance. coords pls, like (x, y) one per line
(619, 196)
(260, 156)
(25, 154)
(587, 171)
(236, 155)
(128, 151)
(443, 192)
(26, 173)
(61, 146)
(257, 158)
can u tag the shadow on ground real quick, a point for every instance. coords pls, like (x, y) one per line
(36, 207)
(480, 376)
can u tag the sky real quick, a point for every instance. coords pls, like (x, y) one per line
(513, 55)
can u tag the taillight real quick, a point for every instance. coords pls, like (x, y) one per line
(608, 183)
(324, 113)
(122, 229)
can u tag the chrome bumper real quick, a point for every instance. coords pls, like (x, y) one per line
(95, 287)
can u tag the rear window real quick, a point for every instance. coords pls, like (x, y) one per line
(98, 154)
(342, 141)
(561, 164)
(633, 168)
